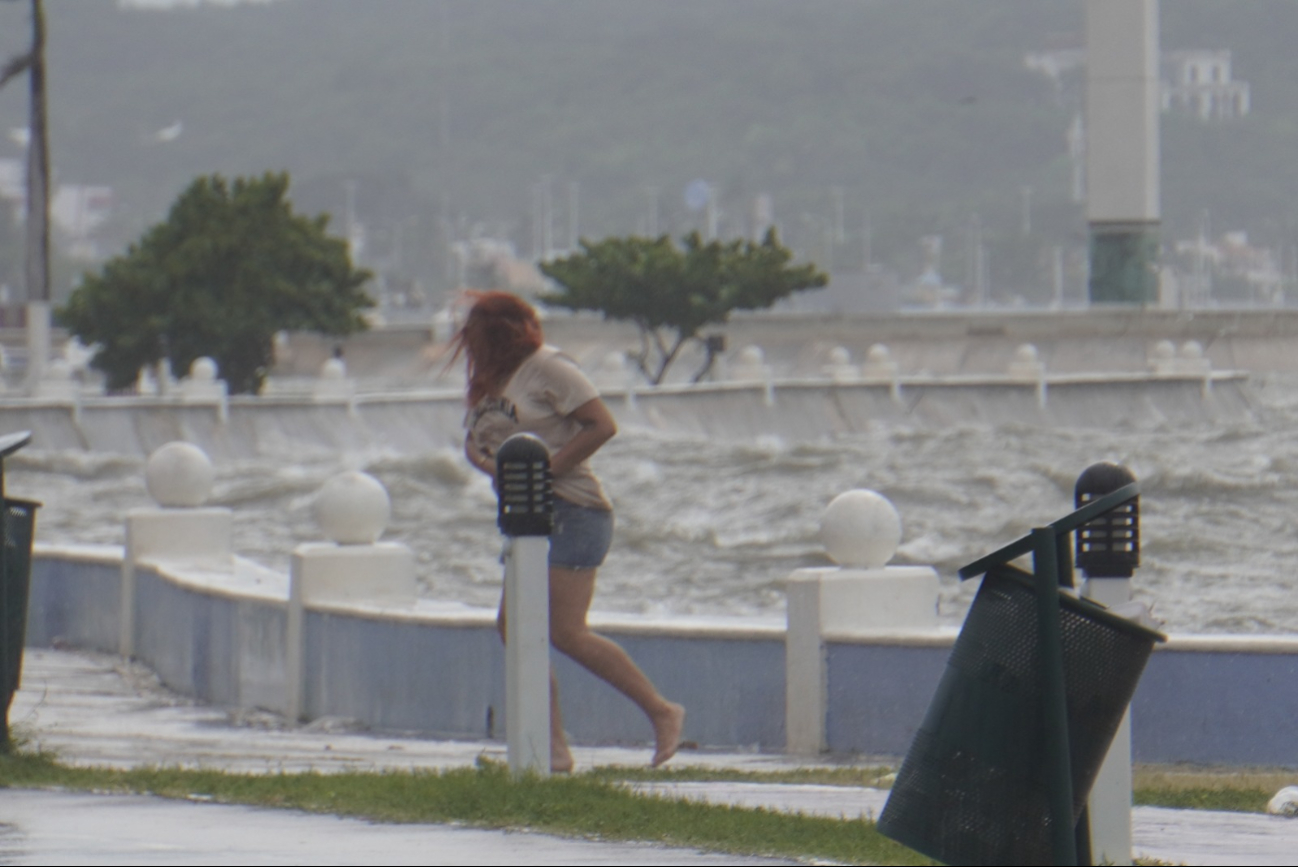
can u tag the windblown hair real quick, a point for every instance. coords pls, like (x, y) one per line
(501, 331)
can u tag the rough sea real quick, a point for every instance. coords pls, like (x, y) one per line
(707, 527)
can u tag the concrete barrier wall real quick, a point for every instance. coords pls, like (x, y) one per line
(430, 669)
(1219, 702)
(246, 427)
(75, 598)
(942, 342)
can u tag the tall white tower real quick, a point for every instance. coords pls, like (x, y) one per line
(1122, 109)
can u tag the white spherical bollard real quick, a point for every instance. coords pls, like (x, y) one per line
(353, 508)
(752, 356)
(879, 354)
(1026, 354)
(860, 529)
(179, 475)
(1284, 803)
(334, 368)
(1192, 349)
(840, 355)
(203, 370)
(1164, 350)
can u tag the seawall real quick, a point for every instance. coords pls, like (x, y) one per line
(219, 635)
(938, 343)
(798, 409)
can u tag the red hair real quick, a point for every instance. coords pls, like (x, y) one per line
(501, 331)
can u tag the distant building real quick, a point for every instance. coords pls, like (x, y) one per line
(78, 211)
(1198, 83)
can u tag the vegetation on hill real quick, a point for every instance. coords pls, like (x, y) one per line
(442, 121)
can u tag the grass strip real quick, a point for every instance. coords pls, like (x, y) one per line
(852, 776)
(1237, 790)
(487, 796)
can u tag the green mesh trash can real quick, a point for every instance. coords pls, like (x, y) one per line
(973, 787)
(15, 584)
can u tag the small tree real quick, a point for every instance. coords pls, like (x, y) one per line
(231, 265)
(672, 293)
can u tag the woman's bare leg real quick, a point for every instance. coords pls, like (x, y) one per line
(571, 591)
(561, 761)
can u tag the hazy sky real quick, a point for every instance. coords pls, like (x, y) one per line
(166, 4)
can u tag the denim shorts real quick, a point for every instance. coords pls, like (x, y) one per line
(581, 535)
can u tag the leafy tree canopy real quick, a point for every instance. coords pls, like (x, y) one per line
(231, 265)
(671, 293)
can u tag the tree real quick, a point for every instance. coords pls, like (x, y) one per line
(231, 265)
(672, 293)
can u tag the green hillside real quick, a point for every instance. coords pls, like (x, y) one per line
(445, 115)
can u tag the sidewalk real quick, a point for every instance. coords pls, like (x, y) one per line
(97, 710)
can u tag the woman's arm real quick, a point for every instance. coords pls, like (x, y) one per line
(597, 428)
(478, 457)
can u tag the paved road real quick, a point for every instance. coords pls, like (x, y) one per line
(96, 710)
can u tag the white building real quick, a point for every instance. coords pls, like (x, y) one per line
(1200, 83)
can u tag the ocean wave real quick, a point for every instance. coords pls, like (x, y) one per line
(74, 464)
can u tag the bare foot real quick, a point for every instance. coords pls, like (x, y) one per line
(561, 761)
(667, 734)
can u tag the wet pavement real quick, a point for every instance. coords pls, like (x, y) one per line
(97, 710)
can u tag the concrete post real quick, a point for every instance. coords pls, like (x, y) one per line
(525, 516)
(879, 365)
(203, 386)
(527, 654)
(861, 530)
(352, 509)
(38, 342)
(751, 366)
(179, 478)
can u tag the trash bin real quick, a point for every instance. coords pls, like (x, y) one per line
(17, 526)
(973, 788)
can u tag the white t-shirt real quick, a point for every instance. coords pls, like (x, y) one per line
(540, 399)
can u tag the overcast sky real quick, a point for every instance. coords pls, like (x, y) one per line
(166, 4)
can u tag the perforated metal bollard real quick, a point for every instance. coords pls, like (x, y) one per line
(1108, 551)
(526, 515)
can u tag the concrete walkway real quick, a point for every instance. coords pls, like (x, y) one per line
(97, 710)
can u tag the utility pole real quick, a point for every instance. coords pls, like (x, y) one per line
(38, 196)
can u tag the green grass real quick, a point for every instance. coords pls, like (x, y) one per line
(877, 777)
(583, 805)
(597, 804)
(1240, 790)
